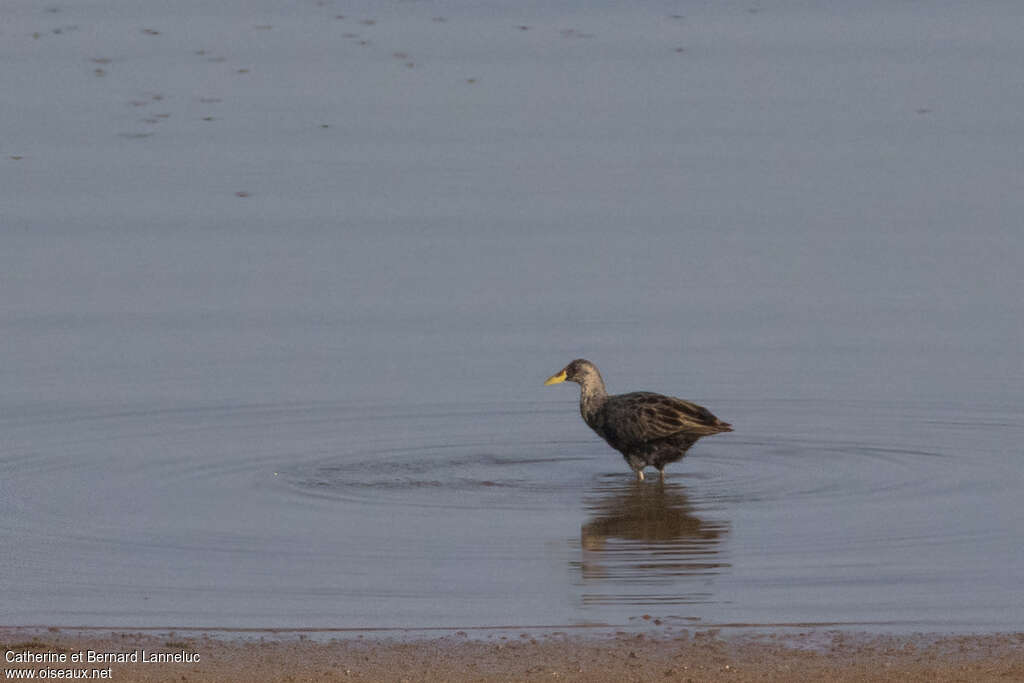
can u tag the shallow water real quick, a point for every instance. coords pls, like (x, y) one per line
(336, 515)
(318, 403)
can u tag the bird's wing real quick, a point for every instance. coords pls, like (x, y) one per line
(644, 416)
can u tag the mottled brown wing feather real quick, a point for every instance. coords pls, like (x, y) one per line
(643, 416)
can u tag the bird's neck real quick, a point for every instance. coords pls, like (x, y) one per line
(592, 397)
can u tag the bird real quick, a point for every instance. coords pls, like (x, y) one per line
(650, 430)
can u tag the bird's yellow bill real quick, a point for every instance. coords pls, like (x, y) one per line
(555, 379)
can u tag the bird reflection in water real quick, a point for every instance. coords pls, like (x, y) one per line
(645, 545)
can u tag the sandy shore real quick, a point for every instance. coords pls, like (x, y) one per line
(695, 656)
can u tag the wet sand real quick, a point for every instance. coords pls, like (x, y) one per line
(693, 656)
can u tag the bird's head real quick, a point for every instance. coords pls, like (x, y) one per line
(581, 371)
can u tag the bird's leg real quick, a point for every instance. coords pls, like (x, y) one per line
(661, 474)
(639, 475)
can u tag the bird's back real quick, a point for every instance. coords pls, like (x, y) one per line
(628, 420)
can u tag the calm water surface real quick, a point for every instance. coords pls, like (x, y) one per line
(276, 325)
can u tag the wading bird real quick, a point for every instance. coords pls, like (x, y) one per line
(650, 430)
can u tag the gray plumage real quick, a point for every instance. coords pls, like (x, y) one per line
(648, 429)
